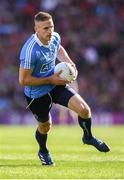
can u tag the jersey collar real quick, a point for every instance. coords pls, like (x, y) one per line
(38, 41)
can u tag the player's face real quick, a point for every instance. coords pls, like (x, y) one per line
(44, 30)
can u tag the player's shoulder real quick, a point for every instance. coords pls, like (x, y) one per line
(56, 36)
(28, 46)
(29, 42)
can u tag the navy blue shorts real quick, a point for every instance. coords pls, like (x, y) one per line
(40, 107)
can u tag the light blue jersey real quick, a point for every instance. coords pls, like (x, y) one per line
(41, 59)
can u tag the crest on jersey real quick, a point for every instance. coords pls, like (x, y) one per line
(38, 54)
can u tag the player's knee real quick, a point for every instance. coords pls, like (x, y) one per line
(85, 112)
(44, 127)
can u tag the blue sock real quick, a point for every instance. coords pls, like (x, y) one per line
(85, 124)
(41, 139)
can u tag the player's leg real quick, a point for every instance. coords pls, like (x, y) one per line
(40, 107)
(41, 137)
(66, 96)
(77, 104)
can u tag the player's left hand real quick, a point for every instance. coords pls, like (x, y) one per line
(76, 71)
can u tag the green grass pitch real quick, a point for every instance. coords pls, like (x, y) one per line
(18, 154)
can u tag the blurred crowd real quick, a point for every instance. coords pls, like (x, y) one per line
(92, 32)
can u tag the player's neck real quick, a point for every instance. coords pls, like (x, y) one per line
(44, 42)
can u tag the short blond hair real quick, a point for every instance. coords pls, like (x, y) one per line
(42, 16)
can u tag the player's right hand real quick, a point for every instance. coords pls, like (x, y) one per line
(57, 80)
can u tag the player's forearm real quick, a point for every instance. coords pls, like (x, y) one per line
(34, 81)
(26, 78)
(63, 55)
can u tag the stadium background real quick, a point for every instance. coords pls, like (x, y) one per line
(92, 32)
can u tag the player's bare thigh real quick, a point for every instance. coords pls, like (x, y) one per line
(77, 104)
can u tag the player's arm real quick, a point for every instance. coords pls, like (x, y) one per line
(26, 79)
(63, 56)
